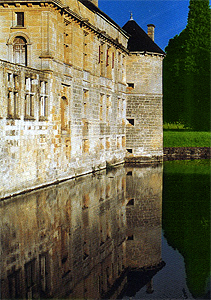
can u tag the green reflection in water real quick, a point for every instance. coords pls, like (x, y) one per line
(186, 218)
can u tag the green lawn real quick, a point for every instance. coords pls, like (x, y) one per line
(182, 138)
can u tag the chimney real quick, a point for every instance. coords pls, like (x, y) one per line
(151, 31)
(95, 2)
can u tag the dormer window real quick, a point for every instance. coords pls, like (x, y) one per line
(19, 19)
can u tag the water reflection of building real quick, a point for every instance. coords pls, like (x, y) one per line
(79, 238)
(144, 226)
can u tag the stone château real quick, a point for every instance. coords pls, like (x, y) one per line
(78, 91)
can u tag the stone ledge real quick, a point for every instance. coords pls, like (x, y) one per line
(144, 160)
(183, 153)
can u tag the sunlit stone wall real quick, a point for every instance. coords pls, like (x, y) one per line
(144, 129)
(63, 100)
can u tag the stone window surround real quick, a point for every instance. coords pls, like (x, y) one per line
(10, 43)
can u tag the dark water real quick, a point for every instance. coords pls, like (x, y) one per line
(131, 233)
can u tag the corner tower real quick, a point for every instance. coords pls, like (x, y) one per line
(144, 129)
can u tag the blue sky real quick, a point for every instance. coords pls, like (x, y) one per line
(168, 16)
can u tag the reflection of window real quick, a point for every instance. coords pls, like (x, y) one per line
(14, 285)
(30, 276)
(20, 51)
(43, 272)
(19, 19)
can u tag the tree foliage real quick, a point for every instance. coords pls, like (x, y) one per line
(186, 74)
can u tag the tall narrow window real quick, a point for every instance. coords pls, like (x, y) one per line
(12, 96)
(14, 285)
(19, 19)
(43, 101)
(113, 60)
(30, 277)
(43, 272)
(20, 51)
(29, 99)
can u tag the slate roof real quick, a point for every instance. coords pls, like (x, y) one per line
(91, 6)
(139, 39)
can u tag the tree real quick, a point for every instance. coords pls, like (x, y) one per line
(187, 71)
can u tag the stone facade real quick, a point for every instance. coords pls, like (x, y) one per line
(64, 69)
(144, 129)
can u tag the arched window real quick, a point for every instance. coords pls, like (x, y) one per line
(20, 51)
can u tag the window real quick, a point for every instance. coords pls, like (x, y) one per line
(113, 57)
(12, 96)
(30, 276)
(130, 150)
(130, 173)
(43, 107)
(130, 85)
(20, 51)
(14, 285)
(29, 99)
(19, 19)
(43, 271)
(131, 121)
(130, 202)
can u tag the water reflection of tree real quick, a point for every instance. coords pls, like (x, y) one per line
(186, 218)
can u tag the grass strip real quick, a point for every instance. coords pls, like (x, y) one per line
(186, 139)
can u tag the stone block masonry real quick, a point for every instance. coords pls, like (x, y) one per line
(144, 129)
(64, 71)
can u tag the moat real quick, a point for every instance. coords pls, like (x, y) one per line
(128, 233)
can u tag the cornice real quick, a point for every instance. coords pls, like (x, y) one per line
(67, 12)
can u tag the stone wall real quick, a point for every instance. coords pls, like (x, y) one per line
(144, 132)
(63, 108)
(64, 67)
(173, 153)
